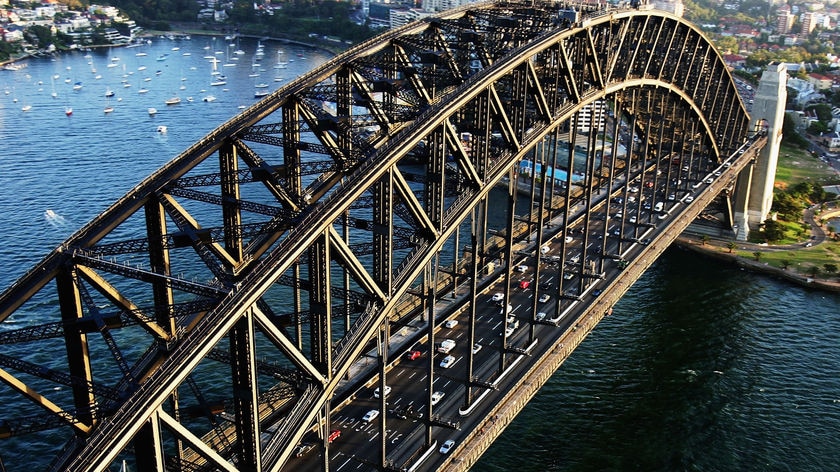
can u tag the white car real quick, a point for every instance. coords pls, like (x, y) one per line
(522, 268)
(436, 397)
(688, 199)
(370, 416)
(447, 362)
(544, 298)
(569, 239)
(497, 297)
(541, 316)
(476, 347)
(447, 446)
(387, 391)
(450, 323)
(446, 345)
(508, 331)
(509, 309)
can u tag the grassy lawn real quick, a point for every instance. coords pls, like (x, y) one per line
(797, 165)
(799, 260)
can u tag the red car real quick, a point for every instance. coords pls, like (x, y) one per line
(334, 434)
(412, 355)
(524, 284)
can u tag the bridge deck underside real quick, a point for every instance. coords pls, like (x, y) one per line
(284, 248)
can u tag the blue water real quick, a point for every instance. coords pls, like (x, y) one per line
(701, 367)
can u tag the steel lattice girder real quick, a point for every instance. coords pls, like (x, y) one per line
(507, 74)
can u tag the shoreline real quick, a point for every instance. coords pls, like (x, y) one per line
(721, 254)
(177, 33)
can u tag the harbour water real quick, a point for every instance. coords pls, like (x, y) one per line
(701, 367)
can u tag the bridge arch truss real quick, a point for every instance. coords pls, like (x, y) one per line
(290, 241)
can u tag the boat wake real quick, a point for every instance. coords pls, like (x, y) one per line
(54, 219)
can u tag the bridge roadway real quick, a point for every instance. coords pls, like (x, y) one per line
(527, 346)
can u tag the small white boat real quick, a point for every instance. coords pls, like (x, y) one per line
(26, 108)
(173, 101)
(152, 111)
(68, 111)
(209, 98)
(108, 109)
(162, 129)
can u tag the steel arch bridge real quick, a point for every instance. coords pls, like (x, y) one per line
(291, 240)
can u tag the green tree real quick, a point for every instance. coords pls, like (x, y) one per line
(813, 271)
(830, 268)
(785, 263)
(789, 133)
(731, 245)
(817, 128)
(757, 255)
(823, 111)
(704, 239)
(773, 231)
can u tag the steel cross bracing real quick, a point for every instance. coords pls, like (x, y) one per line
(349, 202)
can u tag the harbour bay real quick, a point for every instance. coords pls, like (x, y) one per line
(701, 367)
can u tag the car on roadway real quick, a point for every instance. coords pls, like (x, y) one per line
(523, 284)
(569, 239)
(476, 347)
(302, 449)
(688, 199)
(412, 355)
(447, 362)
(522, 268)
(370, 416)
(450, 324)
(508, 310)
(508, 331)
(447, 446)
(387, 391)
(497, 297)
(446, 345)
(436, 397)
(334, 434)
(710, 180)
(541, 316)
(544, 298)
